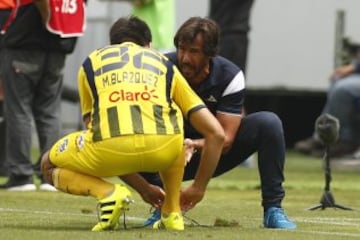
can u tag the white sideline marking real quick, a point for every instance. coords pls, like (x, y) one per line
(331, 233)
(61, 213)
(331, 221)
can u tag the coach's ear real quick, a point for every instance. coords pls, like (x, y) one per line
(43, 6)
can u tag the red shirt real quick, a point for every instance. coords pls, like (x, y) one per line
(4, 4)
(66, 17)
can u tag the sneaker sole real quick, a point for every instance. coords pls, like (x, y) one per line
(23, 188)
(47, 187)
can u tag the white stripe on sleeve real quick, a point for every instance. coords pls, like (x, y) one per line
(236, 85)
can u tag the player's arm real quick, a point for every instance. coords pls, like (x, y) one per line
(151, 194)
(206, 124)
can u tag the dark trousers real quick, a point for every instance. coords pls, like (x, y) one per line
(260, 132)
(3, 167)
(32, 83)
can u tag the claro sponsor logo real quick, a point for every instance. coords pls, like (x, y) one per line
(122, 95)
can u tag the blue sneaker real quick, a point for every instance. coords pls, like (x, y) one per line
(156, 216)
(275, 217)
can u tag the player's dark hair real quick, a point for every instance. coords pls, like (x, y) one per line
(130, 29)
(197, 25)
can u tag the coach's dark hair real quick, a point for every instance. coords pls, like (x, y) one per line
(131, 29)
(196, 25)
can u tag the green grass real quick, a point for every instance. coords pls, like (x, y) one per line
(233, 197)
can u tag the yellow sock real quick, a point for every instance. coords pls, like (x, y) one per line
(81, 184)
(172, 178)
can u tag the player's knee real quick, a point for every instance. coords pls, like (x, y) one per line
(271, 121)
(47, 167)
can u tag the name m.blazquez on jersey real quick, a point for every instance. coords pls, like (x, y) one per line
(130, 77)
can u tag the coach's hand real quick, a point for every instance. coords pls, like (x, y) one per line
(189, 149)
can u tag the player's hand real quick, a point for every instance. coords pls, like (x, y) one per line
(154, 195)
(190, 196)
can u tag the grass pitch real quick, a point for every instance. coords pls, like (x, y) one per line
(231, 210)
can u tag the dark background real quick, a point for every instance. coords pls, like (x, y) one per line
(298, 110)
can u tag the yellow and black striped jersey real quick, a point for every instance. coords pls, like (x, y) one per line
(129, 89)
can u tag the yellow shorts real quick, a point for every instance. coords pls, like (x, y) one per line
(116, 156)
